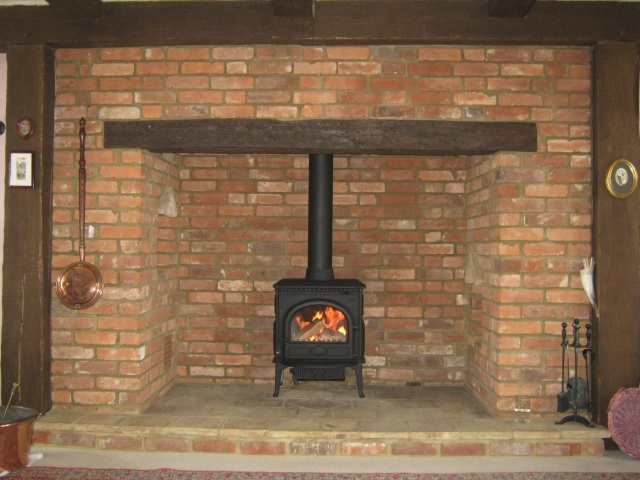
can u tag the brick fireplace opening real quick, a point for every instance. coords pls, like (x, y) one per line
(471, 263)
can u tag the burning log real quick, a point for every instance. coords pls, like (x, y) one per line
(333, 336)
(314, 328)
(319, 324)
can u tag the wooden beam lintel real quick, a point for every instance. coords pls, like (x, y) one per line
(294, 8)
(341, 137)
(510, 8)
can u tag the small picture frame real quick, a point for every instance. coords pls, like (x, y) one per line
(622, 178)
(21, 170)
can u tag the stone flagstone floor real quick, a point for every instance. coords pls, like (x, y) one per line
(318, 418)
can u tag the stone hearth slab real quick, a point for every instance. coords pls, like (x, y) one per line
(320, 418)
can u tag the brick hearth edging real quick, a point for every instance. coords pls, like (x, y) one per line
(534, 439)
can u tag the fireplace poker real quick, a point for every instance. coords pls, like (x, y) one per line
(575, 345)
(563, 399)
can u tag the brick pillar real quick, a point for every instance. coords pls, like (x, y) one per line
(121, 351)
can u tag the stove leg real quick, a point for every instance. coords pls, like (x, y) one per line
(358, 369)
(279, 375)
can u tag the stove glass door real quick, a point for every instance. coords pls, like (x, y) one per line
(319, 323)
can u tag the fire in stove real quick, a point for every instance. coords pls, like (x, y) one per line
(319, 323)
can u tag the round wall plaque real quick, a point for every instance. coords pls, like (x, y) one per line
(24, 127)
(622, 178)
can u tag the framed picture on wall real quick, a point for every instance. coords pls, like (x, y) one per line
(622, 178)
(21, 170)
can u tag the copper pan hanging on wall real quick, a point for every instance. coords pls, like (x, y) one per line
(79, 286)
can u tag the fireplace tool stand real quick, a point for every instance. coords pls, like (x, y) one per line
(588, 355)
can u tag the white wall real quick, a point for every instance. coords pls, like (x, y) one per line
(3, 117)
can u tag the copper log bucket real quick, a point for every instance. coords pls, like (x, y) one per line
(16, 436)
(80, 285)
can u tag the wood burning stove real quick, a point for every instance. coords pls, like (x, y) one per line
(319, 329)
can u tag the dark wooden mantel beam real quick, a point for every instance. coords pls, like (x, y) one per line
(294, 8)
(336, 22)
(341, 137)
(510, 8)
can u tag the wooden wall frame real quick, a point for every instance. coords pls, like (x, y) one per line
(26, 299)
(616, 223)
(339, 22)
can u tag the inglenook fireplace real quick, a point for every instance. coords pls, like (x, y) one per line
(319, 328)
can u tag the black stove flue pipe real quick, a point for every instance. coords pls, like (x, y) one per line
(320, 217)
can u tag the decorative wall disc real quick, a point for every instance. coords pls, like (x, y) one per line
(622, 178)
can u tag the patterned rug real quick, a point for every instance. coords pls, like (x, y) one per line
(50, 473)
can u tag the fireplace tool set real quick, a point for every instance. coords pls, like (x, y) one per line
(578, 390)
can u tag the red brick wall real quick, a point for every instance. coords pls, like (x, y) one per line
(190, 298)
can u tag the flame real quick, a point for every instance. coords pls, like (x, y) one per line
(333, 319)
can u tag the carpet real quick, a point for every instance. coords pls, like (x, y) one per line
(51, 473)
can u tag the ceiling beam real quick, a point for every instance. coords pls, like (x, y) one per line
(294, 8)
(76, 8)
(341, 137)
(338, 22)
(510, 8)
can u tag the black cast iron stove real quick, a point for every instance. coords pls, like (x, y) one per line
(319, 329)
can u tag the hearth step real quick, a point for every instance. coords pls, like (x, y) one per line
(317, 419)
(317, 373)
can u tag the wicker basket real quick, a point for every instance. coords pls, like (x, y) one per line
(624, 420)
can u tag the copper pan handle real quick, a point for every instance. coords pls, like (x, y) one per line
(82, 186)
